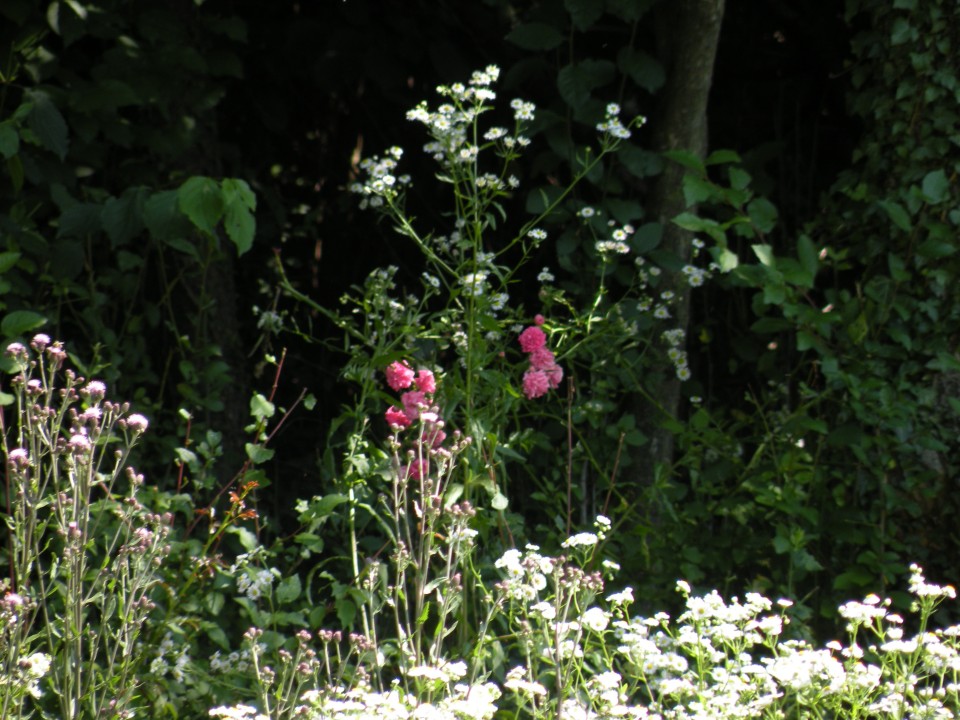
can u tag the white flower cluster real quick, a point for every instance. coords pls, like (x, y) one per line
(617, 244)
(612, 126)
(381, 183)
(25, 680)
(719, 659)
(459, 702)
(172, 659)
(451, 123)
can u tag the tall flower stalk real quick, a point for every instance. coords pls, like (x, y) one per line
(83, 551)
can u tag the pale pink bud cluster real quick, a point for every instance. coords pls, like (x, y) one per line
(544, 374)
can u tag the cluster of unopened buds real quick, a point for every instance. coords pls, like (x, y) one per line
(544, 374)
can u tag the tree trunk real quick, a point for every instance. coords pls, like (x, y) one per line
(687, 32)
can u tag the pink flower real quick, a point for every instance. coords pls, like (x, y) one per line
(554, 375)
(541, 359)
(535, 383)
(399, 375)
(396, 417)
(426, 382)
(137, 423)
(532, 339)
(413, 402)
(539, 319)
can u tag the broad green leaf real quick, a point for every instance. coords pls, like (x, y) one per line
(80, 220)
(9, 139)
(201, 200)
(720, 157)
(902, 31)
(239, 203)
(584, 13)
(624, 211)
(936, 187)
(697, 189)
(645, 70)
(739, 178)
(807, 254)
(936, 248)
(18, 322)
(238, 191)
(576, 81)
(726, 259)
(764, 253)
(47, 123)
(261, 408)
(535, 36)
(897, 214)
(687, 159)
(163, 217)
(641, 163)
(122, 218)
(646, 238)
(499, 502)
(289, 589)
(258, 454)
(762, 214)
(8, 260)
(898, 269)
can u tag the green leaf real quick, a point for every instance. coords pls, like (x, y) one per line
(697, 190)
(576, 81)
(807, 254)
(47, 123)
(762, 214)
(687, 159)
(936, 248)
(739, 178)
(646, 238)
(645, 70)
(201, 200)
(289, 589)
(902, 32)
(122, 218)
(9, 139)
(535, 36)
(239, 222)
(8, 260)
(719, 157)
(765, 254)
(726, 259)
(499, 502)
(80, 220)
(261, 408)
(624, 211)
(897, 214)
(258, 454)
(936, 187)
(163, 217)
(641, 163)
(18, 322)
(584, 13)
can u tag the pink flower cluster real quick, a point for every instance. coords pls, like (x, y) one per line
(543, 374)
(416, 404)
